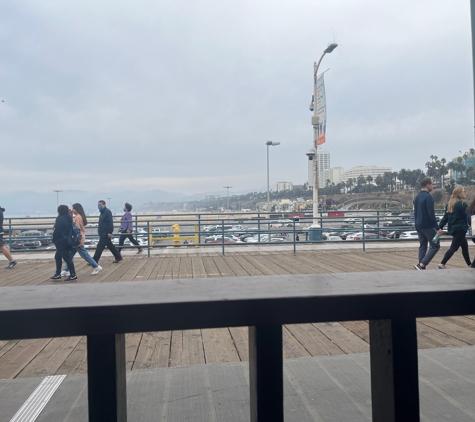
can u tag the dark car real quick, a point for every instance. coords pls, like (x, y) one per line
(26, 244)
(371, 221)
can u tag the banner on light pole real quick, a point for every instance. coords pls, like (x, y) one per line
(321, 104)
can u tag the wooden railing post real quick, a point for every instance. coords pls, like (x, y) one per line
(394, 370)
(107, 393)
(266, 373)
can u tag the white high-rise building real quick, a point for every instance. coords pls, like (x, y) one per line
(323, 158)
(373, 171)
(281, 186)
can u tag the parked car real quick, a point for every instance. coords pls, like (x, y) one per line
(409, 235)
(219, 239)
(334, 238)
(36, 235)
(359, 236)
(343, 236)
(353, 220)
(394, 235)
(26, 244)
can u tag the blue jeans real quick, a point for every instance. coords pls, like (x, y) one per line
(84, 254)
(426, 236)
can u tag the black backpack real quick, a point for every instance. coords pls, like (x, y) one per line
(74, 238)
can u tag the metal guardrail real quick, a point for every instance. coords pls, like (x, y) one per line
(193, 227)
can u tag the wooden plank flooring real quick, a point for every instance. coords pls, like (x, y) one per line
(41, 357)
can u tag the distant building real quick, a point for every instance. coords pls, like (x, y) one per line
(281, 186)
(373, 171)
(468, 160)
(323, 158)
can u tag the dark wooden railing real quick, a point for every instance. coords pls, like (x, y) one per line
(104, 312)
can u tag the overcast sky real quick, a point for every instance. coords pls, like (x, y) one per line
(181, 96)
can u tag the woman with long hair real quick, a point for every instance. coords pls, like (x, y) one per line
(80, 221)
(456, 217)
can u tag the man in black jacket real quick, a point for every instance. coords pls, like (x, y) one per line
(105, 230)
(3, 248)
(426, 224)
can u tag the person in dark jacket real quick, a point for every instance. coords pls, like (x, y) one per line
(470, 214)
(105, 230)
(3, 248)
(426, 224)
(62, 228)
(126, 228)
(456, 217)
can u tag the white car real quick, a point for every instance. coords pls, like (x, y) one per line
(409, 235)
(353, 220)
(334, 239)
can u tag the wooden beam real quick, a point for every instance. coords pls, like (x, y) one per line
(266, 373)
(107, 393)
(394, 370)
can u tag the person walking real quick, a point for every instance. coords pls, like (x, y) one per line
(80, 221)
(126, 228)
(105, 230)
(62, 228)
(470, 214)
(426, 224)
(3, 248)
(456, 217)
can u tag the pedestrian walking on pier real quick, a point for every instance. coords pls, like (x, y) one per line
(456, 217)
(62, 228)
(471, 216)
(126, 228)
(3, 248)
(80, 220)
(426, 224)
(105, 230)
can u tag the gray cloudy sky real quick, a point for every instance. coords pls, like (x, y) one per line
(182, 96)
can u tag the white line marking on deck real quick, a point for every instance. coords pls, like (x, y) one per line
(32, 408)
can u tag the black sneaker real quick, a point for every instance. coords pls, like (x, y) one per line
(140, 250)
(56, 277)
(418, 267)
(72, 278)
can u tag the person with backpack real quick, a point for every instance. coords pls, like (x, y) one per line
(61, 232)
(126, 228)
(3, 248)
(80, 221)
(456, 218)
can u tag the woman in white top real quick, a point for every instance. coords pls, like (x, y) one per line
(80, 221)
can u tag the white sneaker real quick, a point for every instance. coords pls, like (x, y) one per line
(65, 273)
(96, 270)
(440, 267)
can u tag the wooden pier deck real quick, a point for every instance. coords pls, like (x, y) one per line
(41, 357)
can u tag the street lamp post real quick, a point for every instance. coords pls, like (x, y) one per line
(109, 203)
(314, 108)
(227, 196)
(269, 144)
(57, 196)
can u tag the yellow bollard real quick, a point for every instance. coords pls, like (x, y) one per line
(176, 236)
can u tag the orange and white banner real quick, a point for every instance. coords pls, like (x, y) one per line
(321, 127)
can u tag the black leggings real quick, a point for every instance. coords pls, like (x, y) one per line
(129, 236)
(63, 252)
(458, 240)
